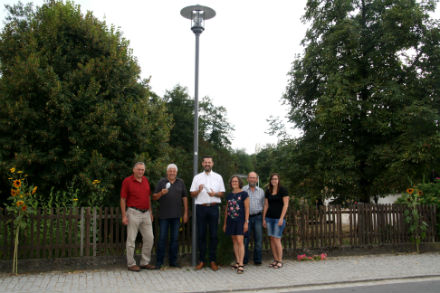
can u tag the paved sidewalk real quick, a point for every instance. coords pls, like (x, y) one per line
(186, 279)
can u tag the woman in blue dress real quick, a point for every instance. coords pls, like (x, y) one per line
(237, 219)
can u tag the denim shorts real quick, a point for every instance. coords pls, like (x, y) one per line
(273, 229)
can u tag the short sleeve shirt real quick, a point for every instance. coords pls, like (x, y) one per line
(275, 203)
(235, 206)
(136, 194)
(212, 182)
(256, 203)
(170, 204)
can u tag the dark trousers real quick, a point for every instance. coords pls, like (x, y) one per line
(173, 225)
(207, 217)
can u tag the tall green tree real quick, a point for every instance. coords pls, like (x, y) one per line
(180, 108)
(215, 134)
(243, 162)
(72, 105)
(214, 125)
(365, 92)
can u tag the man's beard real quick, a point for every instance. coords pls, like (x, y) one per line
(208, 169)
(252, 184)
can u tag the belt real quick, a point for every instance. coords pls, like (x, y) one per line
(140, 210)
(254, 215)
(209, 204)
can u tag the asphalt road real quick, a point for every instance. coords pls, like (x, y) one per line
(419, 285)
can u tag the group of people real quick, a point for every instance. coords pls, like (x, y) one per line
(248, 210)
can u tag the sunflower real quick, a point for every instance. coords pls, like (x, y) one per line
(24, 208)
(96, 181)
(420, 193)
(34, 190)
(12, 170)
(14, 192)
(19, 203)
(410, 190)
(16, 183)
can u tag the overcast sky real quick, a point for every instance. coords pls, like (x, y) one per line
(246, 52)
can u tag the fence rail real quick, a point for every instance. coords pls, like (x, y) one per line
(76, 232)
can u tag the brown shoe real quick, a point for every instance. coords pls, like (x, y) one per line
(134, 268)
(214, 266)
(148, 267)
(200, 265)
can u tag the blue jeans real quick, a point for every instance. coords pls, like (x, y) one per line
(207, 217)
(173, 225)
(273, 230)
(255, 230)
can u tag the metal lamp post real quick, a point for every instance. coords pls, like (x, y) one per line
(198, 14)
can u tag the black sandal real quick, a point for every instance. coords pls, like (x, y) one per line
(240, 270)
(235, 266)
(273, 264)
(279, 265)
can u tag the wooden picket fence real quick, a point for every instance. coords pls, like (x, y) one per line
(76, 232)
(356, 226)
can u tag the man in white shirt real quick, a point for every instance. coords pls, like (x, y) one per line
(207, 188)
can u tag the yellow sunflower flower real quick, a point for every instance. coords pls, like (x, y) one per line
(34, 190)
(420, 193)
(96, 181)
(20, 172)
(16, 183)
(19, 203)
(410, 190)
(24, 208)
(12, 170)
(14, 192)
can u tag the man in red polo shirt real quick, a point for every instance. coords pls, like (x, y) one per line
(137, 215)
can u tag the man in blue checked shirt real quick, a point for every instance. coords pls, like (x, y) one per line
(256, 195)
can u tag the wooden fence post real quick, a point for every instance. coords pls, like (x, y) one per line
(94, 231)
(81, 227)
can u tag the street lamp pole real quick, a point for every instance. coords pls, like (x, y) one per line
(198, 14)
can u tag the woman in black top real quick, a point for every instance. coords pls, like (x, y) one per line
(276, 203)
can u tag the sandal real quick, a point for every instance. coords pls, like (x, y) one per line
(240, 270)
(279, 265)
(273, 264)
(235, 266)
